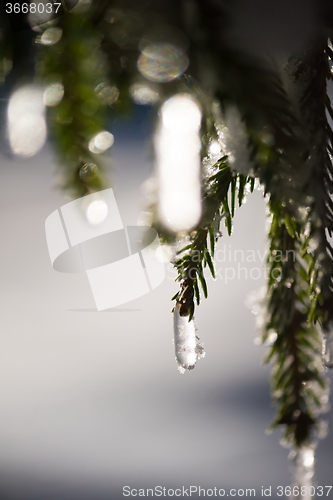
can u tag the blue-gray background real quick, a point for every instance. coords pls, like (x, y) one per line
(92, 401)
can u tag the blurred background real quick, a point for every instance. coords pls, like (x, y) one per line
(93, 401)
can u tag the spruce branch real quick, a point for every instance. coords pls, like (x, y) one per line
(80, 115)
(316, 104)
(219, 201)
(298, 385)
(300, 289)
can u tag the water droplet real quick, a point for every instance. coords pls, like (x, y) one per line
(143, 94)
(271, 338)
(51, 36)
(53, 94)
(88, 172)
(288, 282)
(101, 142)
(215, 148)
(162, 62)
(303, 212)
(313, 244)
(108, 94)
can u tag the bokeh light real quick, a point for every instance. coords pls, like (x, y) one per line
(141, 93)
(88, 172)
(162, 62)
(177, 145)
(215, 148)
(181, 112)
(27, 135)
(101, 142)
(108, 94)
(26, 122)
(97, 212)
(26, 100)
(51, 36)
(308, 457)
(53, 94)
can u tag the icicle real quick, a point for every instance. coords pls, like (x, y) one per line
(177, 145)
(188, 349)
(328, 349)
(303, 470)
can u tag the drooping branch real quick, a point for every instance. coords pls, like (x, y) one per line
(219, 200)
(298, 384)
(81, 113)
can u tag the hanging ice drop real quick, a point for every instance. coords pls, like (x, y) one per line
(328, 349)
(304, 470)
(188, 349)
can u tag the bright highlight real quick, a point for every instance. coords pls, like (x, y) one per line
(101, 142)
(26, 122)
(97, 212)
(177, 145)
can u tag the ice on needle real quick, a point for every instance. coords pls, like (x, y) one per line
(188, 349)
